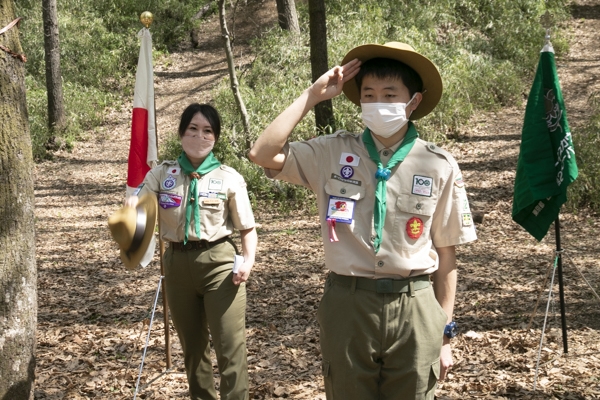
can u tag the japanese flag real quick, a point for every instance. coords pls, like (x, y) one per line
(143, 147)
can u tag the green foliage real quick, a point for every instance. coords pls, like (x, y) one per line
(99, 52)
(486, 51)
(585, 191)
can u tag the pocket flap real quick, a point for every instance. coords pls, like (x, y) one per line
(415, 204)
(334, 187)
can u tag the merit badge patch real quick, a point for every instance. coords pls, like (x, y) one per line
(215, 184)
(467, 219)
(347, 172)
(169, 200)
(137, 190)
(414, 228)
(169, 183)
(349, 159)
(422, 185)
(458, 182)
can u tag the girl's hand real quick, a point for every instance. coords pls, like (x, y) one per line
(243, 273)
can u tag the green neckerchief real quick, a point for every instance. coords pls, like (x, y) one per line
(209, 163)
(384, 173)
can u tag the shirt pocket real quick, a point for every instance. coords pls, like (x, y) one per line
(212, 214)
(412, 223)
(333, 187)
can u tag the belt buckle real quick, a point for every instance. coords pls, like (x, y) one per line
(385, 285)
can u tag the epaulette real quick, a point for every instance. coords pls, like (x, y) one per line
(344, 133)
(432, 147)
(167, 162)
(229, 169)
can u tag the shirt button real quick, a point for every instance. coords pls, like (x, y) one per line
(380, 264)
(385, 153)
(432, 146)
(343, 191)
(418, 206)
(373, 239)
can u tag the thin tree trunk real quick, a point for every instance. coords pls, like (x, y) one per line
(287, 16)
(318, 61)
(232, 76)
(56, 108)
(18, 278)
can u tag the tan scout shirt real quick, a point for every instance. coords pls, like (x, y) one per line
(224, 202)
(426, 188)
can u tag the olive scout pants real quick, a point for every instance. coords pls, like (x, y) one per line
(202, 296)
(380, 339)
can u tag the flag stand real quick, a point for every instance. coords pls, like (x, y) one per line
(561, 290)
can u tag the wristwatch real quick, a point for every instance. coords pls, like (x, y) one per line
(451, 330)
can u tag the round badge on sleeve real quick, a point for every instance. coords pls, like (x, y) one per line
(414, 228)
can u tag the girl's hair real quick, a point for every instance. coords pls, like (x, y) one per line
(383, 68)
(209, 112)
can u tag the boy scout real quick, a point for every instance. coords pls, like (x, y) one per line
(392, 208)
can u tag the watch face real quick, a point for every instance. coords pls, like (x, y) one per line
(451, 330)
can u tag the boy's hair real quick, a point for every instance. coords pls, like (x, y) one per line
(389, 68)
(209, 112)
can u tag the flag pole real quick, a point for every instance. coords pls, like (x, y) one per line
(146, 18)
(547, 22)
(561, 290)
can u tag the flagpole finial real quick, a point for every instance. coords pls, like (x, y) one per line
(547, 21)
(146, 18)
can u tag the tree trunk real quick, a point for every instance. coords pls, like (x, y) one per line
(232, 76)
(18, 279)
(287, 16)
(56, 108)
(318, 61)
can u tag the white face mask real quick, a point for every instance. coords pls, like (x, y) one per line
(196, 146)
(385, 119)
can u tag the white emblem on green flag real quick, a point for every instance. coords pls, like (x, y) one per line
(546, 164)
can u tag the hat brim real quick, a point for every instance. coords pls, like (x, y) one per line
(148, 203)
(432, 81)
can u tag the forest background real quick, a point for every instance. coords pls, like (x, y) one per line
(91, 309)
(486, 51)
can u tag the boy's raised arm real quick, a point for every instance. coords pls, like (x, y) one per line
(267, 150)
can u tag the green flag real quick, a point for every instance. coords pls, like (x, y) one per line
(546, 164)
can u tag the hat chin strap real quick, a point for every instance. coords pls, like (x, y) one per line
(138, 236)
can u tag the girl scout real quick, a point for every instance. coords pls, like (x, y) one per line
(200, 203)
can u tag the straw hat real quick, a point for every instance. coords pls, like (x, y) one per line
(132, 229)
(432, 81)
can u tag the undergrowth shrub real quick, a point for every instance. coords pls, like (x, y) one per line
(585, 191)
(99, 51)
(486, 52)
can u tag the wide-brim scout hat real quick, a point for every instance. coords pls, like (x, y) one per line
(132, 229)
(432, 81)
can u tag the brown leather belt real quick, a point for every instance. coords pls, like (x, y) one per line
(197, 244)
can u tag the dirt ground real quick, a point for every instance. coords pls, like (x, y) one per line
(94, 314)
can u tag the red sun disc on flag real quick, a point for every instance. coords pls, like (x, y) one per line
(414, 228)
(349, 159)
